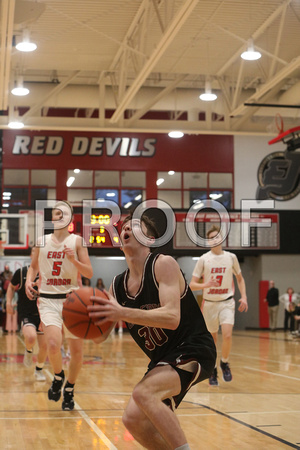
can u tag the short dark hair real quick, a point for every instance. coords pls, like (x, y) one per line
(149, 224)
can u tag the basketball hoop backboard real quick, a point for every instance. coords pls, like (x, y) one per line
(14, 231)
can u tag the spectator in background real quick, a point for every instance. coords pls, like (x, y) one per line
(11, 312)
(290, 300)
(85, 282)
(100, 284)
(5, 278)
(272, 298)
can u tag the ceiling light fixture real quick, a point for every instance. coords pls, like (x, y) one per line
(215, 196)
(20, 90)
(250, 54)
(159, 181)
(15, 124)
(208, 96)
(70, 181)
(13, 120)
(26, 45)
(176, 134)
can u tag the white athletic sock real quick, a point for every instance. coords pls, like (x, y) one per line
(225, 360)
(183, 447)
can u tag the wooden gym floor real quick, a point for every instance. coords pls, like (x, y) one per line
(259, 409)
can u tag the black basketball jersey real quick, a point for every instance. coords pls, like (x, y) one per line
(158, 342)
(25, 306)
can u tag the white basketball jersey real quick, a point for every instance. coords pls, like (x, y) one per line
(220, 267)
(57, 274)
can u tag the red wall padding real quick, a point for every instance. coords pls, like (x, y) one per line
(263, 306)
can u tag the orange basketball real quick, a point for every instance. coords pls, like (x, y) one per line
(76, 317)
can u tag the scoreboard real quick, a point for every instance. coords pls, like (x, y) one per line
(260, 237)
(98, 226)
(99, 236)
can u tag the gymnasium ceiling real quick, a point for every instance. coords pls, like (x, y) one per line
(140, 65)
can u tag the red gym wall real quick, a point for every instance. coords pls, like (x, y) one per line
(116, 151)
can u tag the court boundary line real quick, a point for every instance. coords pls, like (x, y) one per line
(87, 419)
(272, 373)
(240, 422)
(83, 414)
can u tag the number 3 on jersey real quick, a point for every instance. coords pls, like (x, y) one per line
(219, 278)
(56, 268)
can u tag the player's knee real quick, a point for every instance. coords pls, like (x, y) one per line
(77, 354)
(227, 335)
(30, 340)
(129, 421)
(141, 395)
(53, 346)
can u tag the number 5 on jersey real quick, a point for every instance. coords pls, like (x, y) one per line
(56, 268)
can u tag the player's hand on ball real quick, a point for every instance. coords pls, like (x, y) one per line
(105, 309)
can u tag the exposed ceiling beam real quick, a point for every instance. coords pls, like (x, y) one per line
(173, 29)
(276, 79)
(251, 111)
(130, 31)
(256, 34)
(78, 124)
(7, 22)
(55, 91)
(278, 40)
(155, 99)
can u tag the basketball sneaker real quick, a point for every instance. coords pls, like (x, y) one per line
(27, 361)
(213, 379)
(54, 392)
(39, 375)
(68, 401)
(227, 376)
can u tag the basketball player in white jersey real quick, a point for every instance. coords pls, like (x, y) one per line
(219, 266)
(60, 261)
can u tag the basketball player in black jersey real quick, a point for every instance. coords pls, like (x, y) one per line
(28, 314)
(164, 319)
